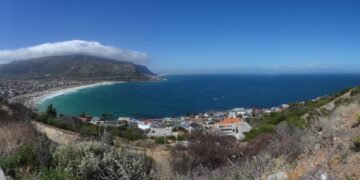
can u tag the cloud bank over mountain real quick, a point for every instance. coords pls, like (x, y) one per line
(92, 48)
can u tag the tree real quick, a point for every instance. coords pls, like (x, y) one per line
(51, 111)
(83, 114)
(106, 117)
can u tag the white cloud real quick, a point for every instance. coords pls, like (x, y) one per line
(92, 48)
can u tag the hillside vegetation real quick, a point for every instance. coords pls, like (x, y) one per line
(313, 139)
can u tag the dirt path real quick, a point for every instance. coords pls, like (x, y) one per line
(162, 157)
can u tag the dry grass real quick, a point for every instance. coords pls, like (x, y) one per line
(15, 134)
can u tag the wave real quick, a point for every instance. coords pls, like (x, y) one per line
(54, 93)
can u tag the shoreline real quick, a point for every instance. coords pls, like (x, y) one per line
(31, 100)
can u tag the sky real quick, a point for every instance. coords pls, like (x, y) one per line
(190, 36)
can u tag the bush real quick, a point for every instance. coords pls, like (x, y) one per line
(178, 129)
(356, 142)
(94, 160)
(131, 134)
(55, 174)
(24, 156)
(181, 138)
(205, 150)
(325, 112)
(43, 149)
(159, 140)
(343, 101)
(14, 134)
(265, 128)
(355, 91)
(51, 111)
(89, 130)
(52, 121)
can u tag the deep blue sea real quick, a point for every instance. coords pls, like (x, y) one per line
(181, 94)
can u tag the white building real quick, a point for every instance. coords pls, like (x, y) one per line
(230, 127)
(232, 114)
(127, 119)
(144, 125)
(159, 132)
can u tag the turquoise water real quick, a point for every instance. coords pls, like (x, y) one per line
(183, 94)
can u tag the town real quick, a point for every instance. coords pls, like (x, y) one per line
(233, 122)
(10, 88)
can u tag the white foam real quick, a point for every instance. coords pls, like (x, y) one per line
(51, 94)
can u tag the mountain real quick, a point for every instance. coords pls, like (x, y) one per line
(75, 67)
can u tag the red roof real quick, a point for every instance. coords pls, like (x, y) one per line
(229, 121)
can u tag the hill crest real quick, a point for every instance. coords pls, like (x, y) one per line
(74, 67)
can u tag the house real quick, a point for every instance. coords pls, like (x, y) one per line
(232, 114)
(94, 121)
(285, 106)
(111, 123)
(231, 127)
(241, 112)
(144, 125)
(195, 126)
(123, 119)
(159, 132)
(268, 111)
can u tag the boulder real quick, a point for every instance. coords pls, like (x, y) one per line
(278, 176)
(322, 175)
(2, 175)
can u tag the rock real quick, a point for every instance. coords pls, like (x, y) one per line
(321, 175)
(9, 178)
(317, 146)
(355, 125)
(2, 175)
(278, 176)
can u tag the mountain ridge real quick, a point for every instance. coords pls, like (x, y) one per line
(76, 66)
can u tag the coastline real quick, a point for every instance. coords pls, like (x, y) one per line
(31, 100)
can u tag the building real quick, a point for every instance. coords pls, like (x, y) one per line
(230, 127)
(144, 125)
(232, 114)
(159, 132)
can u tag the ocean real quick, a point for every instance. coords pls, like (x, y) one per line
(182, 94)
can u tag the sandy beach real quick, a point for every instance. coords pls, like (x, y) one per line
(31, 100)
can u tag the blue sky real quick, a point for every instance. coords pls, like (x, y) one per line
(188, 36)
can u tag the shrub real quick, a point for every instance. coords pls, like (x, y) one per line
(343, 101)
(43, 149)
(257, 144)
(89, 130)
(14, 134)
(159, 140)
(50, 120)
(171, 138)
(181, 138)
(94, 160)
(23, 157)
(55, 174)
(205, 150)
(262, 129)
(356, 142)
(131, 134)
(178, 129)
(51, 111)
(325, 112)
(355, 91)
